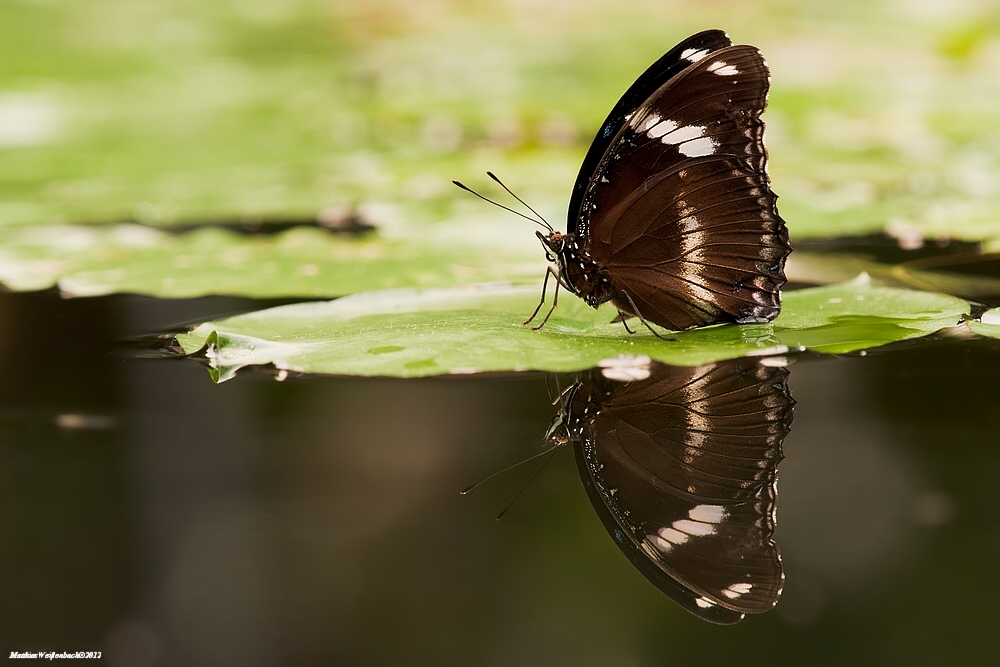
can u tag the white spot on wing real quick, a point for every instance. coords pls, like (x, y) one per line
(722, 69)
(704, 603)
(650, 120)
(694, 55)
(708, 513)
(662, 545)
(679, 135)
(666, 538)
(661, 128)
(698, 147)
(693, 527)
(736, 590)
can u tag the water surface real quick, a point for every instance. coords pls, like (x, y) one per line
(151, 514)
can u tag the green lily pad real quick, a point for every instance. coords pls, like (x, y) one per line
(411, 333)
(988, 324)
(304, 261)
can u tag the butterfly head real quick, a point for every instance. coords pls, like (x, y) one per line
(553, 243)
(564, 427)
(558, 433)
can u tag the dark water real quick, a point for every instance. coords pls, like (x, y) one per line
(162, 519)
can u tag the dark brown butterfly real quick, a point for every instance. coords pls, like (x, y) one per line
(682, 470)
(672, 218)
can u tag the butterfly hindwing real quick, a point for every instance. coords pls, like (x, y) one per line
(713, 251)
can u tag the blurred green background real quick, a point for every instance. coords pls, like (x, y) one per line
(883, 115)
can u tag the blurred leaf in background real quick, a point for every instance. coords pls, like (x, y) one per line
(883, 117)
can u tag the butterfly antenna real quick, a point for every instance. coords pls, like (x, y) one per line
(552, 452)
(506, 208)
(524, 203)
(500, 472)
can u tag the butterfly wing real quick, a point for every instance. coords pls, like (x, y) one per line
(650, 568)
(679, 211)
(673, 62)
(718, 570)
(690, 498)
(712, 434)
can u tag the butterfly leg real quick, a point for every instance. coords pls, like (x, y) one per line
(555, 298)
(564, 392)
(623, 318)
(545, 287)
(555, 302)
(641, 318)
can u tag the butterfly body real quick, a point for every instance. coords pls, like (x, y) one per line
(577, 270)
(672, 217)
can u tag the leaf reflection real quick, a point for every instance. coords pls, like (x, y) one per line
(681, 465)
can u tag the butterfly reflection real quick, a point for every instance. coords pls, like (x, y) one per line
(681, 465)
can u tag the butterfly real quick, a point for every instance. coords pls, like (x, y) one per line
(672, 218)
(682, 468)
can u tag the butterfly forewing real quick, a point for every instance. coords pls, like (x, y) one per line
(736, 565)
(679, 212)
(725, 553)
(712, 108)
(651, 568)
(673, 62)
